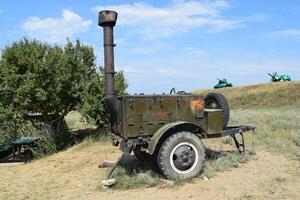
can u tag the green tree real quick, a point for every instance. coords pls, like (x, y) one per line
(93, 106)
(49, 80)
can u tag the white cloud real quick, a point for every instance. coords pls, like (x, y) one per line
(177, 18)
(159, 72)
(56, 29)
(286, 33)
(194, 53)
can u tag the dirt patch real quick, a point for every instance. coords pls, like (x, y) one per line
(73, 174)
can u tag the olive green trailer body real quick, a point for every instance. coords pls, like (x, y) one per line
(143, 115)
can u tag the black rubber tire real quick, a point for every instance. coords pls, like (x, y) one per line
(219, 102)
(164, 153)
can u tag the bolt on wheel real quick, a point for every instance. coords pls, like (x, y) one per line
(184, 158)
(181, 156)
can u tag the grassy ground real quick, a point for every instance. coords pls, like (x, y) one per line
(73, 174)
(269, 95)
(270, 172)
(75, 121)
(145, 175)
(273, 108)
(277, 128)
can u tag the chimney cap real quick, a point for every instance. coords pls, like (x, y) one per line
(107, 18)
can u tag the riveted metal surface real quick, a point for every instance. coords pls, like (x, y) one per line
(145, 114)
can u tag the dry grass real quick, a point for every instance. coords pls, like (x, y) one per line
(277, 128)
(75, 121)
(73, 170)
(273, 107)
(140, 179)
(260, 96)
(73, 174)
(222, 161)
(133, 174)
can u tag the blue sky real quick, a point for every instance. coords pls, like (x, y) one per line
(165, 44)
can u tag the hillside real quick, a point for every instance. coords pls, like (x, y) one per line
(262, 95)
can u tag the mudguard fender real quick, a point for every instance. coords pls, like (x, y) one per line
(169, 129)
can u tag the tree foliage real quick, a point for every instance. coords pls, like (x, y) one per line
(93, 107)
(51, 80)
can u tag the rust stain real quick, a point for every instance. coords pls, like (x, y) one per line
(162, 114)
(197, 104)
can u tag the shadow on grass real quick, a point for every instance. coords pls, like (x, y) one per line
(134, 173)
(220, 161)
(78, 136)
(11, 159)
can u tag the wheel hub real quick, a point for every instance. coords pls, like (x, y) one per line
(212, 105)
(184, 157)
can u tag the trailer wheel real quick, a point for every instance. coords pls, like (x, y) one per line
(218, 101)
(181, 156)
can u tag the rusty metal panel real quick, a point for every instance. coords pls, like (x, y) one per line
(145, 114)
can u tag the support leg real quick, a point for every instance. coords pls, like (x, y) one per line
(115, 165)
(239, 146)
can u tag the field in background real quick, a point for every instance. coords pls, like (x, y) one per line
(269, 95)
(270, 172)
(273, 107)
(277, 128)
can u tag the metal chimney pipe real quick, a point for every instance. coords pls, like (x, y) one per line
(107, 19)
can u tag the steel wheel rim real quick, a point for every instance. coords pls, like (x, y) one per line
(212, 104)
(185, 162)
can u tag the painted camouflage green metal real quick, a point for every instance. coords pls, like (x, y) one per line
(279, 77)
(10, 148)
(222, 83)
(149, 117)
(145, 114)
(25, 141)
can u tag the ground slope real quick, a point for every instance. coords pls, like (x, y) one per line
(261, 95)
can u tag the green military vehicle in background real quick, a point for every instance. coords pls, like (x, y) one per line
(169, 129)
(275, 77)
(20, 148)
(222, 84)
